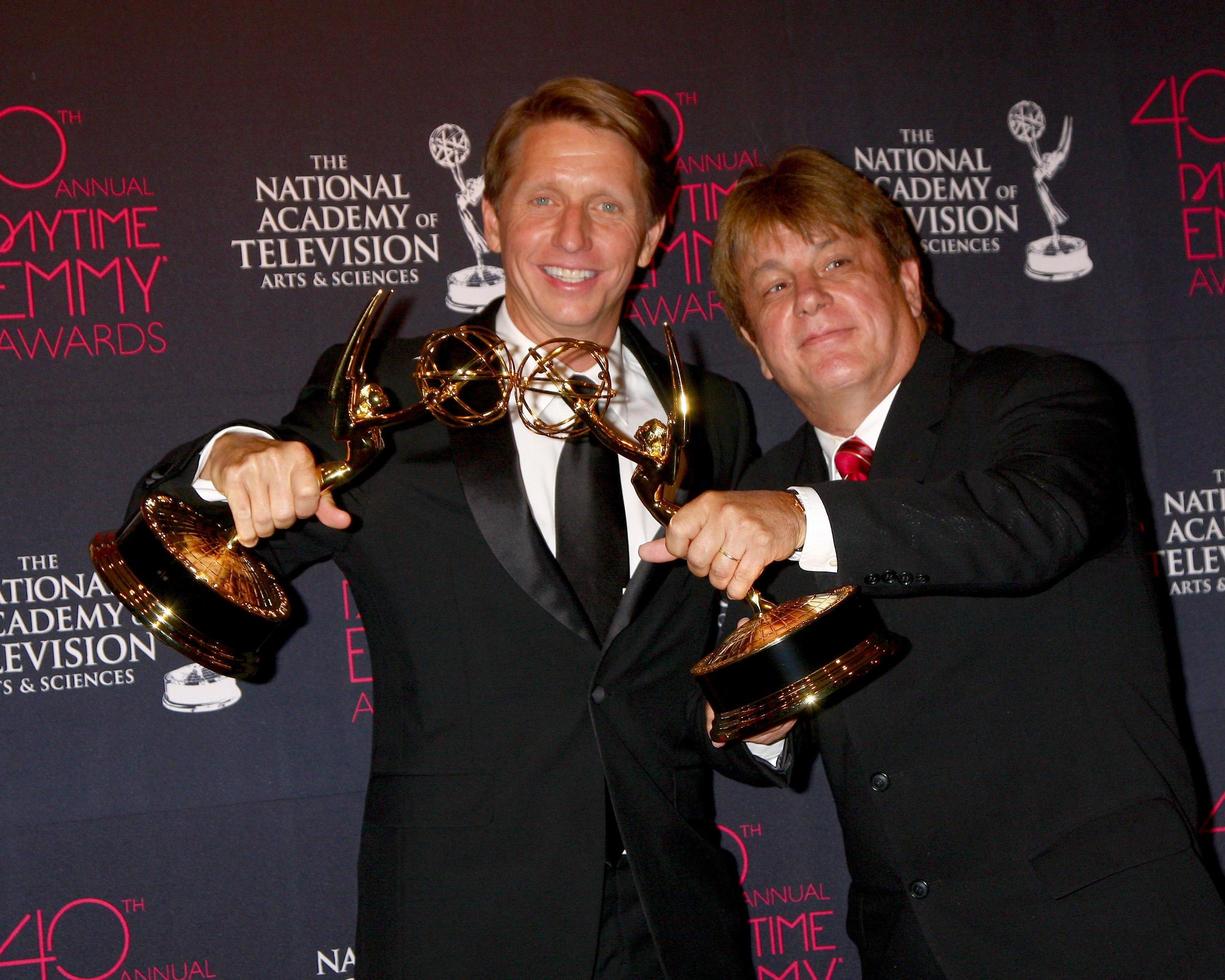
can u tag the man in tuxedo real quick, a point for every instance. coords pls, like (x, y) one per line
(1013, 792)
(540, 801)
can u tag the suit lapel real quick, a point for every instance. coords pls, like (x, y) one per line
(488, 468)
(487, 464)
(643, 584)
(647, 576)
(810, 468)
(652, 361)
(910, 434)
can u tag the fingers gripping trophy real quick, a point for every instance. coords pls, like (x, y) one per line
(475, 287)
(186, 577)
(788, 657)
(1057, 257)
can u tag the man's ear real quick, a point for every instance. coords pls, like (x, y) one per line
(911, 279)
(748, 339)
(651, 242)
(493, 235)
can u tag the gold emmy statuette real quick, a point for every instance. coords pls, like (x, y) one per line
(788, 656)
(185, 576)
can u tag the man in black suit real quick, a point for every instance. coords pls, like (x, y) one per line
(1014, 796)
(540, 802)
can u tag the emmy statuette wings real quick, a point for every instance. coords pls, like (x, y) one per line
(787, 657)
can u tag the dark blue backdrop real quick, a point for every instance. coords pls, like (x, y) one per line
(138, 146)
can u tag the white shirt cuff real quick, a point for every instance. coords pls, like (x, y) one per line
(769, 754)
(818, 553)
(204, 487)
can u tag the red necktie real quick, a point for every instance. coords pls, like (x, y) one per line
(853, 459)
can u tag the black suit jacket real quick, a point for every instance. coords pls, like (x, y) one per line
(499, 715)
(1013, 792)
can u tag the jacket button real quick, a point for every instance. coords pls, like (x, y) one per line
(871, 578)
(889, 576)
(598, 695)
(918, 889)
(922, 579)
(880, 781)
(905, 578)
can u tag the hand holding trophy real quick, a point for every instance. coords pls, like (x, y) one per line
(186, 577)
(787, 657)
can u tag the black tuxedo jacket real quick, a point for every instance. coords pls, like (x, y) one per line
(499, 714)
(1013, 791)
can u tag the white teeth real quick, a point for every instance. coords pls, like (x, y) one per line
(569, 275)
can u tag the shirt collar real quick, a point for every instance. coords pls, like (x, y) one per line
(625, 373)
(868, 430)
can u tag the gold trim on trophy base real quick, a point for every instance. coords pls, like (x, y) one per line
(775, 624)
(791, 658)
(806, 693)
(205, 548)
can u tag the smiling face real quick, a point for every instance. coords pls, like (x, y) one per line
(832, 325)
(572, 223)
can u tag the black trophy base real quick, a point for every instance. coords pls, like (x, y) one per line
(791, 658)
(176, 572)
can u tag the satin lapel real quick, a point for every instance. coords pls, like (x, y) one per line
(910, 433)
(652, 361)
(488, 468)
(647, 577)
(643, 584)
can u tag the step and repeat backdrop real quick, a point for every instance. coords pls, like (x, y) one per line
(196, 198)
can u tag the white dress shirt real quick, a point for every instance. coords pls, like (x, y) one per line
(633, 402)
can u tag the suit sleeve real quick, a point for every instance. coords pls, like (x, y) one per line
(1030, 479)
(745, 449)
(309, 421)
(736, 762)
(174, 473)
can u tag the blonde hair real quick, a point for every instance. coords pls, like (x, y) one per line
(590, 102)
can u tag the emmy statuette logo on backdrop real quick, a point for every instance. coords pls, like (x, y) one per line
(1056, 257)
(192, 689)
(473, 288)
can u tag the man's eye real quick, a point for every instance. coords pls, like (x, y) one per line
(775, 287)
(609, 207)
(540, 200)
(837, 263)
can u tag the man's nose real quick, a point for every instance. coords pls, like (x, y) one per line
(573, 229)
(810, 296)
